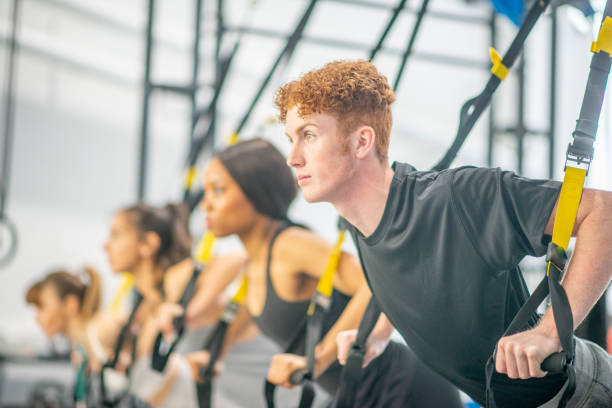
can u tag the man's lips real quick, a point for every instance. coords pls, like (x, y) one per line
(301, 179)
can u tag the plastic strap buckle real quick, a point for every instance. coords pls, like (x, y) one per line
(578, 158)
(357, 350)
(556, 255)
(229, 312)
(321, 300)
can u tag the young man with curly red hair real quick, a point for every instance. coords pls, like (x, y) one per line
(440, 250)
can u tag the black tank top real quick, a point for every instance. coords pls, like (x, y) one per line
(281, 320)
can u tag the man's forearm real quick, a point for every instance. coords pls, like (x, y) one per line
(590, 269)
(327, 350)
(383, 328)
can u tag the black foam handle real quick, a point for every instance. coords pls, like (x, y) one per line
(555, 363)
(298, 376)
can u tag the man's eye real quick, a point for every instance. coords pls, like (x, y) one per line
(218, 190)
(309, 136)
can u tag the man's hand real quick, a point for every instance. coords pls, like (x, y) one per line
(520, 355)
(282, 366)
(200, 359)
(166, 314)
(374, 346)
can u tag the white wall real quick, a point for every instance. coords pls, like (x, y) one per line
(79, 97)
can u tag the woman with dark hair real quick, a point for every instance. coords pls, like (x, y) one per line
(248, 190)
(154, 245)
(65, 304)
(145, 241)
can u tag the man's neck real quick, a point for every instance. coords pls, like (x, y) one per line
(364, 200)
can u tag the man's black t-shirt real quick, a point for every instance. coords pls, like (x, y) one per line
(443, 265)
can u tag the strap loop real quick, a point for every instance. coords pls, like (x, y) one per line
(499, 69)
(604, 39)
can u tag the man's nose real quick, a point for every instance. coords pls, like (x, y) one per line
(295, 157)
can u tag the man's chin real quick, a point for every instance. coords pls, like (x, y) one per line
(309, 196)
(312, 197)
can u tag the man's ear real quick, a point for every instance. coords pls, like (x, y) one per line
(365, 138)
(150, 244)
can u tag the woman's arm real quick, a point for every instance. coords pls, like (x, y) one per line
(208, 301)
(239, 325)
(350, 277)
(310, 255)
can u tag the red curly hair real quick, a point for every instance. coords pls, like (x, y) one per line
(352, 91)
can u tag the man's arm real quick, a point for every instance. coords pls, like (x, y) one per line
(377, 341)
(588, 274)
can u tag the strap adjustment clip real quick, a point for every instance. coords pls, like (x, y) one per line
(230, 311)
(499, 69)
(556, 255)
(579, 158)
(321, 300)
(604, 39)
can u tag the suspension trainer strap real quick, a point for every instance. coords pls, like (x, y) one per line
(578, 160)
(473, 108)
(161, 347)
(107, 399)
(353, 369)
(311, 330)
(214, 345)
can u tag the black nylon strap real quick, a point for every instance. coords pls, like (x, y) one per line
(314, 326)
(311, 329)
(565, 327)
(162, 349)
(518, 323)
(473, 108)
(557, 259)
(107, 400)
(269, 388)
(213, 345)
(351, 374)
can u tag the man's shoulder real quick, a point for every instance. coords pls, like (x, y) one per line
(405, 170)
(405, 173)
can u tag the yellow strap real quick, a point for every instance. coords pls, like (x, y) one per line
(326, 283)
(604, 39)
(498, 69)
(127, 282)
(569, 200)
(242, 291)
(190, 177)
(233, 139)
(203, 251)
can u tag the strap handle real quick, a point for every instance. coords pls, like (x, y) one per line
(312, 329)
(161, 348)
(353, 368)
(214, 344)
